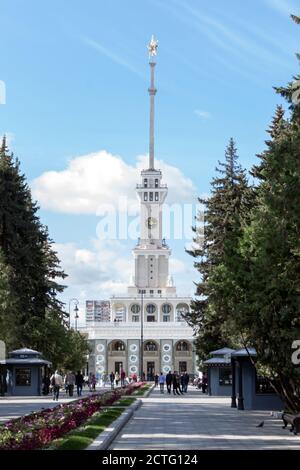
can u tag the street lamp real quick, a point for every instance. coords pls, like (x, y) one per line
(76, 309)
(76, 302)
(142, 292)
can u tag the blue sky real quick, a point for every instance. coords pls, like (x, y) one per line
(76, 77)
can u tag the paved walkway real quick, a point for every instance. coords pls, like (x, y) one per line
(196, 421)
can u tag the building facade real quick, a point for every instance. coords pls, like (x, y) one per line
(146, 332)
(97, 311)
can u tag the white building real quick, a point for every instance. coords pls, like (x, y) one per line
(151, 314)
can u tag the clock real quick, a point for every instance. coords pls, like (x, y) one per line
(151, 222)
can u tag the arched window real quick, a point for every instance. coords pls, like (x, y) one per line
(181, 310)
(135, 308)
(151, 308)
(182, 346)
(150, 346)
(118, 346)
(166, 308)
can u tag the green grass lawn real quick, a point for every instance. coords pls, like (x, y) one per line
(141, 391)
(125, 401)
(82, 437)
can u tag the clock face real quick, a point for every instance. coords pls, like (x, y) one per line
(151, 222)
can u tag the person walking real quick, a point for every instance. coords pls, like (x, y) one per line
(156, 377)
(112, 379)
(186, 381)
(79, 379)
(176, 384)
(162, 380)
(123, 376)
(117, 378)
(204, 383)
(169, 380)
(94, 382)
(56, 382)
(70, 380)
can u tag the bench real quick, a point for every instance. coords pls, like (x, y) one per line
(293, 420)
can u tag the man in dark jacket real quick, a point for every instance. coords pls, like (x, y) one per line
(169, 380)
(176, 384)
(79, 383)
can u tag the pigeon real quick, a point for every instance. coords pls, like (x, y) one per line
(260, 425)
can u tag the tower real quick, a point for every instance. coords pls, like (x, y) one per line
(151, 254)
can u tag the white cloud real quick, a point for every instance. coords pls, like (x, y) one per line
(203, 114)
(97, 179)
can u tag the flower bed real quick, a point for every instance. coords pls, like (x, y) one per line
(39, 429)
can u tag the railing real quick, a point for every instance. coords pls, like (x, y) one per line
(151, 186)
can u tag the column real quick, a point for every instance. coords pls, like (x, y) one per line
(233, 393)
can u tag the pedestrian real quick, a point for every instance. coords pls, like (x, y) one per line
(94, 382)
(176, 384)
(112, 379)
(204, 383)
(79, 380)
(186, 381)
(169, 380)
(162, 380)
(70, 380)
(90, 381)
(56, 382)
(117, 378)
(182, 386)
(123, 376)
(156, 377)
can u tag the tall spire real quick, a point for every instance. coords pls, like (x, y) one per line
(152, 48)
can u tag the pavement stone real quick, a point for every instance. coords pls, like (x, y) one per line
(197, 421)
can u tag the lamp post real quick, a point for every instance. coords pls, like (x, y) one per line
(142, 292)
(76, 302)
(76, 309)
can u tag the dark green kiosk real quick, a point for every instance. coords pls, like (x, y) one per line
(22, 372)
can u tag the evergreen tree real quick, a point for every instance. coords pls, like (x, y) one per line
(230, 198)
(26, 247)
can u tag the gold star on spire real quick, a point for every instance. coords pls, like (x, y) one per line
(152, 47)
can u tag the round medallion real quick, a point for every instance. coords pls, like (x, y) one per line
(133, 369)
(166, 369)
(133, 358)
(166, 358)
(100, 348)
(133, 347)
(100, 369)
(166, 347)
(99, 358)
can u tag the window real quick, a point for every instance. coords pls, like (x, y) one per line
(151, 196)
(23, 377)
(225, 377)
(145, 183)
(118, 346)
(182, 346)
(181, 310)
(150, 346)
(182, 367)
(156, 183)
(145, 196)
(159, 291)
(166, 318)
(166, 308)
(135, 318)
(151, 308)
(156, 197)
(151, 291)
(150, 318)
(135, 308)
(263, 386)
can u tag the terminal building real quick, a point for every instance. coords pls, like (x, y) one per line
(151, 315)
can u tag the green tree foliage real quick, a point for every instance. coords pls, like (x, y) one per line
(30, 313)
(230, 196)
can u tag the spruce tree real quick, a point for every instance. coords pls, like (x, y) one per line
(230, 198)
